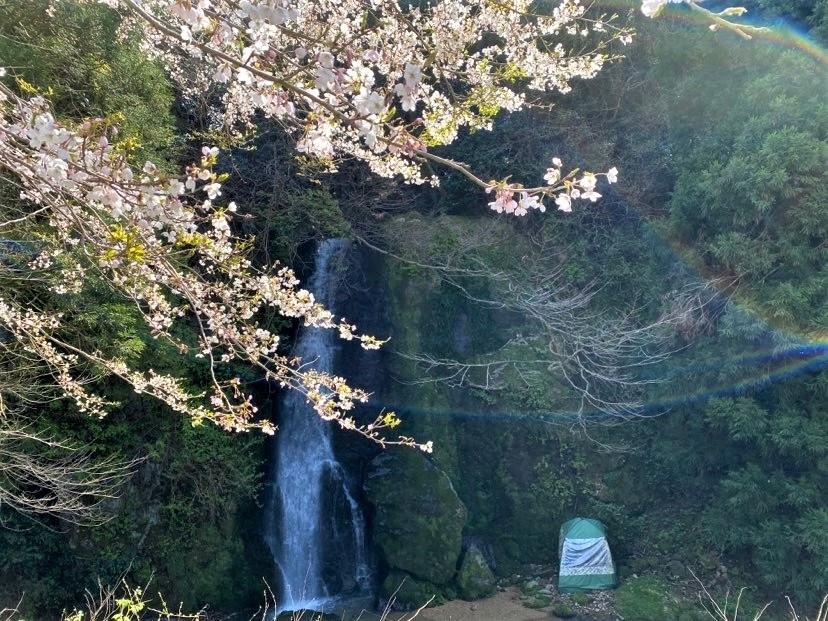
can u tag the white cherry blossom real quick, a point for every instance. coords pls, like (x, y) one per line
(378, 80)
(564, 203)
(373, 80)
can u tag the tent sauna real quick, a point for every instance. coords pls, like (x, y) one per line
(586, 561)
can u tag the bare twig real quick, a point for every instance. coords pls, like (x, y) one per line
(595, 355)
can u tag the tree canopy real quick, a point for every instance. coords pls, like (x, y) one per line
(128, 273)
(95, 202)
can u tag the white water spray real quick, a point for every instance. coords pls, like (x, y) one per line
(314, 529)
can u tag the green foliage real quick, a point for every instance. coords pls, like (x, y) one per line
(770, 504)
(581, 599)
(563, 610)
(183, 519)
(36, 560)
(78, 55)
(813, 13)
(550, 493)
(208, 474)
(537, 601)
(749, 198)
(645, 599)
(98, 321)
(206, 479)
(741, 419)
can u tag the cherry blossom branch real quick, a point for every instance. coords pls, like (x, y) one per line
(653, 8)
(718, 20)
(351, 95)
(139, 232)
(215, 53)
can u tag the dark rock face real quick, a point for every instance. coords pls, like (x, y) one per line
(475, 579)
(419, 518)
(405, 592)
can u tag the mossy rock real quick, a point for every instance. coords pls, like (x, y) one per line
(562, 610)
(645, 599)
(419, 518)
(475, 579)
(530, 587)
(406, 592)
(537, 601)
(675, 569)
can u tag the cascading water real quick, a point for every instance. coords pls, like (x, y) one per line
(314, 525)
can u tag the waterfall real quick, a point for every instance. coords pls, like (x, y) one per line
(314, 525)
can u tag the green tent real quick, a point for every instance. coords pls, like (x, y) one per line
(586, 562)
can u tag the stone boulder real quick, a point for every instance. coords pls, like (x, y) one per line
(403, 591)
(419, 519)
(475, 579)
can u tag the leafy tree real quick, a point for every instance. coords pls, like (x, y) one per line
(88, 75)
(89, 66)
(813, 13)
(167, 259)
(158, 240)
(749, 198)
(768, 506)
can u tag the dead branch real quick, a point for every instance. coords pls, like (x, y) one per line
(596, 355)
(42, 474)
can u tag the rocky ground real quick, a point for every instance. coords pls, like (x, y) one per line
(529, 597)
(510, 604)
(533, 595)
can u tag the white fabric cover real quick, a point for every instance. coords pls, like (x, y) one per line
(581, 557)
